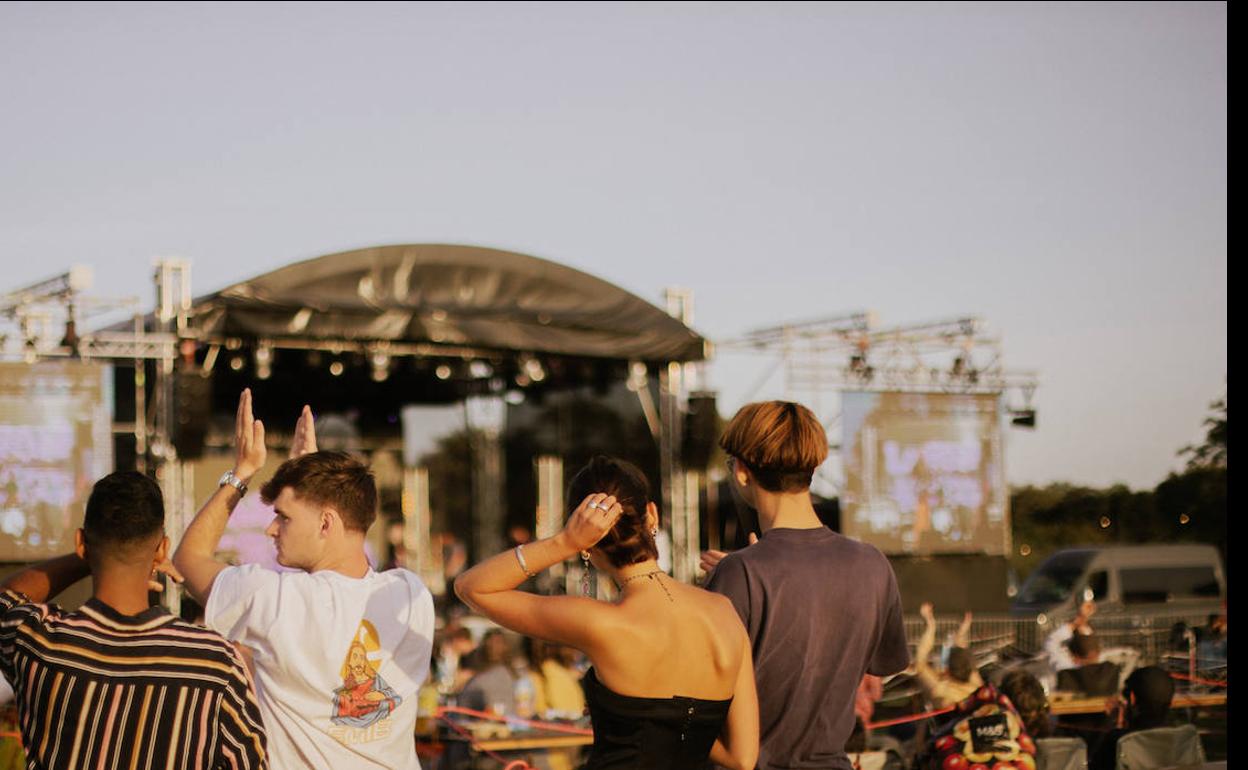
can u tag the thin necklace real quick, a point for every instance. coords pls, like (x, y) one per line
(653, 575)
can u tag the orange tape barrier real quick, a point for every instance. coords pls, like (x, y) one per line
(553, 727)
(1198, 680)
(910, 718)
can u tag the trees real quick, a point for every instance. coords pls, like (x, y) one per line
(1212, 453)
(1189, 506)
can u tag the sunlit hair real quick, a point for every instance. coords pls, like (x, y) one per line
(780, 442)
(628, 542)
(1032, 705)
(961, 664)
(334, 479)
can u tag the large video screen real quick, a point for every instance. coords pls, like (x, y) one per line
(924, 472)
(55, 442)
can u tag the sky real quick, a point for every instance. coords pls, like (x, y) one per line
(1056, 169)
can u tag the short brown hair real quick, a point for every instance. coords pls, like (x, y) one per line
(335, 479)
(628, 542)
(782, 443)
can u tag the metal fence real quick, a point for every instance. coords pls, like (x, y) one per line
(1150, 633)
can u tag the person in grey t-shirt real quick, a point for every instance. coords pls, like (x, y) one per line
(821, 610)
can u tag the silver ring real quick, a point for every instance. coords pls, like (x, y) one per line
(594, 505)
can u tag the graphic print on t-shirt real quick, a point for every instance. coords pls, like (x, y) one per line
(364, 703)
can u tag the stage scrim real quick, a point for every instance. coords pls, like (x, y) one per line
(55, 442)
(924, 472)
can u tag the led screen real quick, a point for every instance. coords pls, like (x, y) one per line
(55, 442)
(924, 472)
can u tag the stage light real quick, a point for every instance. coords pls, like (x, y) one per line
(480, 370)
(514, 397)
(264, 361)
(1184, 518)
(380, 362)
(1023, 418)
(236, 363)
(532, 368)
(443, 372)
(336, 368)
(1105, 522)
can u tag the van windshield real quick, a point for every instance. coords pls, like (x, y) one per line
(1053, 581)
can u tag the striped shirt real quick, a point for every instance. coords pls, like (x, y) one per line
(99, 690)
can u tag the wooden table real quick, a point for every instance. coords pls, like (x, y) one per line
(535, 742)
(1059, 705)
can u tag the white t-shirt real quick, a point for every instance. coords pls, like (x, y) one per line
(338, 661)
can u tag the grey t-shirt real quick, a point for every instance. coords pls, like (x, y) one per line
(821, 611)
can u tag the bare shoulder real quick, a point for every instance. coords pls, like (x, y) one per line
(715, 605)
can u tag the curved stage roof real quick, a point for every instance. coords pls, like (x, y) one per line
(448, 295)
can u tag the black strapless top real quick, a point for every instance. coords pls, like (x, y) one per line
(650, 733)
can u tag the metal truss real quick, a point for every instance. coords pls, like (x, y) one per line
(849, 352)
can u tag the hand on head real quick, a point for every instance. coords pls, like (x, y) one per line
(165, 567)
(591, 521)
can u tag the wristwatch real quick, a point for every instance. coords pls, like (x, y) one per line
(229, 478)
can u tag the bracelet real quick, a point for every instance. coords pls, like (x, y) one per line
(524, 566)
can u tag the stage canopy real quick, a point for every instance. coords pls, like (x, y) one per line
(446, 295)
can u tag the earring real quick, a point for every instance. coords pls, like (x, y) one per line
(654, 532)
(584, 573)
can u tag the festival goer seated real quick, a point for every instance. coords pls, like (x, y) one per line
(556, 684)
(672, 683)
(557, 691)
(493, 686)
(455, 646)
(1027, 694)
(960, 678)
(1145, 704)
(1211, 647)
(1057, 642)
(984, 729)
(1091, 676)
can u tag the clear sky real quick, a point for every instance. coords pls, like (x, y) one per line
(1059, 170)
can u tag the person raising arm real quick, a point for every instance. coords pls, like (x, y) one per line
(670, 660)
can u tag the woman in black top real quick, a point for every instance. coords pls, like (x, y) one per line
(673, 683)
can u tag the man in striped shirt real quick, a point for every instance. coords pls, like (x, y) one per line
(118, 684)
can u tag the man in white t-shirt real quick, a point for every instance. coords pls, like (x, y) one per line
(339, 651)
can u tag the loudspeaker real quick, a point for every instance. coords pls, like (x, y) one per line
(701, 431)
(192, 409)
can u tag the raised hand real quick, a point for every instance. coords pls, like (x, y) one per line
(164, 567)
(249, 450)
(305, 434)
(711, 558)
(591, 521)
(925, 609)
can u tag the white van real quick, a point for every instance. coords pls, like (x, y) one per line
(1125, 580)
